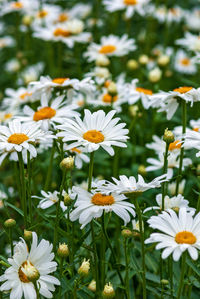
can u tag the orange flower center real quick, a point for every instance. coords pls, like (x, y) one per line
(107, 98)
(17, 138)
(25, 94)
(93, 136)
(42, 14)
(196, 129)
(175, 145)
(61, 32)
(59, 80)
(21, 274)
(76, 150)
(44, 113)
(8, 115)
(173, 11)
(102, 200)
(62, 17)
(185, 238)
(107, 83)
(80, 103)
(130, 2)
(144, 90)
(107, 49)
(185, 61)
(183, 89)
(16, 5)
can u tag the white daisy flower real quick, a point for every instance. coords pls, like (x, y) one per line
(192, 19)
(99, 75)
(130, 6)
(159, 145)
(96, 130)
(179, 233)
(184, 64)
(195, 124)
(91, 205)
(45, 15)
(192, 140)
(129, 185)
(31, 73)
(37, 260)
(190, 42)
(48, 199)
(47, 114)
(111, 45)
(17, 136)
(6, 41)
(12, 66)
(15, 98)
(174, 14)
(174, 203)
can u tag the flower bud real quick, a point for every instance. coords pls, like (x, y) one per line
(133, 110)
(127, 233)
(108, 291)
(27, 20)
(168, 136)
(132, 64)
(163, 60)
(84, 268)
(92, 286)
(30, 271)
(143, 59)
(9, 223)
(164, 281)
(142, 170)
(112, 89)
(102, 60)
(155, 75)
(67, 200)
(27, 235)
(63, 250)
(168, 73)
(67, 163)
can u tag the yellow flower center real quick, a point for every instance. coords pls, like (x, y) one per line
(16, 5)
(173, 11)
(107, 98)
(8, 115)
(185, 238)
(183, 89)
(93, 136)
(130, 2)
(185, 61)
(144, 90)
(44, 113)
(80, 103)
(61, 32)
(175, 145)
(42, 14)
(17, 138)
(76, 150)
(62, 17)
(102, 200)
(25, 94)
(196, 129)
(107, 49)
(107, 83)
(59, 80)
(21, 274)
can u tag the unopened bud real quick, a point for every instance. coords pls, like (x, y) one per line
(67, 200)
(127, 233)
(155, 75)
(84, 268)
(163, 60)
(132, 64)
(92, 286)
(27, 235)
(168, 136)
(142, 170)
(9, 223)
(143, 59)
(63, 250)
(112, 89)
(108, 291)
(30, 271)
(27, 20)
(133, 110)
(67, 163)
(164, 281)
(102, 60)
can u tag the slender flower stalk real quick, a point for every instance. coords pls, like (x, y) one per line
(164, 171)
(11, 241)
(36, 289)
(29, 188)
(181, 283)
(127, 267)
(23, 187)
(184, 123)
(49, 171)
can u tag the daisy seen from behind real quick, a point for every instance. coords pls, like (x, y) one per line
(178, 233)
(94, 131)
(38, 261)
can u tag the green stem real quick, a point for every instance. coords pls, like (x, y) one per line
(184, 123)
(60, 274)
(91, 166)
(58, 209)
(142, 247)
(127, 267)
(23, 186)
(164, 171)
(37, 291)
(181, 283)
(29, 188)
(116, 162)
(103, 249)
(11, 241)
(95, 260)
(49, 171)
(171, 275)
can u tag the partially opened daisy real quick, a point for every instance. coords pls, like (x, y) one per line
(111, 45)
(178, 233)
(174, 203)
(18, 137)
(49, 114)
(36, 261)
(95, 130)
(91, 205)
(48, 199)
(129, 185)
(15, 98)
(184, 64)
(130, 6)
